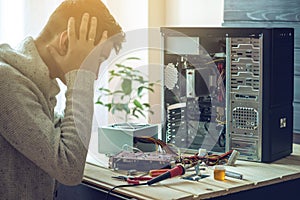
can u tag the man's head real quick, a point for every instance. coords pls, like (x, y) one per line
(59, 50)
(58, 21)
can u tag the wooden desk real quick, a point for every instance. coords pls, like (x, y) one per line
(255, 174)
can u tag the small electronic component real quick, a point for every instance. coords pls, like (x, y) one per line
(219, 173)
(141, 161)
(233, 157)
(233, 175)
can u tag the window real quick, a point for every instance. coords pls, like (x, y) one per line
(11, 21)
(18, 20)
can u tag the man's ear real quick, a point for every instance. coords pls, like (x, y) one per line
(63, 43)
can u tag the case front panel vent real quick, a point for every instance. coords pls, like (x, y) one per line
(244, 58)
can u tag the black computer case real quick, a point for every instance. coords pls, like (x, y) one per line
(229, 88)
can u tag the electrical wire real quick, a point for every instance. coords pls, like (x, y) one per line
(157, 142)
(120, 186)
(209, 160)
(215, 60)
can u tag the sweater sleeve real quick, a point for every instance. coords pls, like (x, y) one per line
(27, 125)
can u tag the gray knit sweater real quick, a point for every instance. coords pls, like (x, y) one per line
(34, 152)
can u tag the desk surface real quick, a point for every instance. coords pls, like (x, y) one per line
(255, 175)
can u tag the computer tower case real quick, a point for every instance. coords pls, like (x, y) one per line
(229, 88)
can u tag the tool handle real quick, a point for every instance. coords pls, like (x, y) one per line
(176, 171)
(143, 178)
(133, 181)
(157, 172)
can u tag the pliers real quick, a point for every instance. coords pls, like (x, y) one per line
(132, 179)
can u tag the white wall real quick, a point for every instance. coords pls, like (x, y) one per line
(36, 15)
(20, 18)
(131, 14)
(194, 12)
(11, 23)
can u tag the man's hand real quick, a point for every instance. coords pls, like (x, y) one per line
(78, 48)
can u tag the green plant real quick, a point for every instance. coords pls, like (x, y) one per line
(128, 97)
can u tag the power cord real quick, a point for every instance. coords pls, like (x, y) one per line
(119, 186)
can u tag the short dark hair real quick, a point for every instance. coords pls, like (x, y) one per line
(76, 8)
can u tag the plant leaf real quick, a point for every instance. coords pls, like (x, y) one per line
(151, 89)
(150, 111)
(111, 78)
(140, 90)
(132, 81)
(116, 92)
(146, 105)
(133, 58)
(138, 104)
(99, 102)
(140, 79)
(133, 113)
(104, 90)
(141, 113)
(109, 106)
(126, 108)
(120, 65)
(127, 86)
(122, 107)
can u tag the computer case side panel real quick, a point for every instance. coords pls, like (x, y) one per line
(277, 122)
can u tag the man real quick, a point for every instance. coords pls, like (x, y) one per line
(35, 152)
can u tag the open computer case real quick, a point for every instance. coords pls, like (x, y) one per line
(229, 88)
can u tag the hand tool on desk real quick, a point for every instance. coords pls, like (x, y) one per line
(195, 177)
(132, 179)
(175, 171)
(157, 172)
